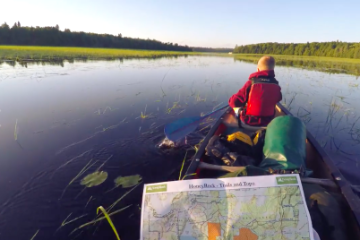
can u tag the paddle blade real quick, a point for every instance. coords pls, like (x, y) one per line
(180, 128)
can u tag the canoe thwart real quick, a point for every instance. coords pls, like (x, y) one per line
(322, 182)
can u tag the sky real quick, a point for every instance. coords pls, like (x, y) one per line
(206, 23)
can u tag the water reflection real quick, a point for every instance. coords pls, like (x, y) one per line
(93, 116)
(60, 62)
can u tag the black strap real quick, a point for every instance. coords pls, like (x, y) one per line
(264, 80)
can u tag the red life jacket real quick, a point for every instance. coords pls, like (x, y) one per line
(264, 94)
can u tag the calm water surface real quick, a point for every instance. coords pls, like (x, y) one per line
(59, 123)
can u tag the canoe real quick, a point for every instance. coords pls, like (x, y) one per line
(325, 172)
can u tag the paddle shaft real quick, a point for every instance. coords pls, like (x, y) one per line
(182, 127)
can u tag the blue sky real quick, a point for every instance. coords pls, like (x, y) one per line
(206, 23)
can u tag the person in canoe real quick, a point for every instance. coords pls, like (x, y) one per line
(257, 99)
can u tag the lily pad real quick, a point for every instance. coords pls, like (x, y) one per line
(94, 179)
(127, 181)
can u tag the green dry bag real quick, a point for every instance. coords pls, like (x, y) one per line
(285, 146)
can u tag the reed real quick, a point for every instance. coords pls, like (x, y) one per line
(108, 219)
(42, 53)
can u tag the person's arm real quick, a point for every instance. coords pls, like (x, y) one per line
(239, 99)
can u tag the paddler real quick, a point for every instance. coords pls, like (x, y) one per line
(257, 99)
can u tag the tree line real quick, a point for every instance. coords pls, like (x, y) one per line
(325, 49)
(53, 36)
(217, 50)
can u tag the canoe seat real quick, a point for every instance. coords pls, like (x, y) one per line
(237, 112)
(251, 128)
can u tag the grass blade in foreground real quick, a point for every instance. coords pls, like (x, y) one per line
(109, 220)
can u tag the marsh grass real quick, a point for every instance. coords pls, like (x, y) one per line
(182, 165)
(162, 90)
(174, 106)
(109, 220)
(287, 104)
(217, 105)
(99, 218)
(144, 115)
(255, 57)
(336, 113)
(36, 233)
(354, 85)
(65, 222)
(323, 64)
(199, 99)
(113, 126)
(81, 172)
(87, 203)
(16, 130)
(182, 168)
(23, 53)
(119, 199)
(188, 175)
(98, 112)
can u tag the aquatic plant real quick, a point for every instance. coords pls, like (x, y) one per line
(100, 219)
(23, 53)
(118, 200)
(199, 99)
(87, 203)
(107, 211)
(182, 165)
(108, 108)
(94, 179)
(175, 105)
(65, 222)
(16, 130)
(288, 105)
(322, 64)
(127, 181)
(217, 105)
(112, 126)
(108, 219)
(82, 171)
(33, 237)
(354, 85)
(188, 175)
(143, 115)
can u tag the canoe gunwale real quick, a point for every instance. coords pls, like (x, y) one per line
(344, 186)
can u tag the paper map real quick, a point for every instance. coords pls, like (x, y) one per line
(240, 208)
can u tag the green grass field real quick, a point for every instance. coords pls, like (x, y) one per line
(70, 53)
(324, 64)
(53, 54)
(255, 57)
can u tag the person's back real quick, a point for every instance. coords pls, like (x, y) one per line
(259, 96)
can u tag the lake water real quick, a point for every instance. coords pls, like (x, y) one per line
(58, 123)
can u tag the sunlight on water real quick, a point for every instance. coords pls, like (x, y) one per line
(87, 123)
